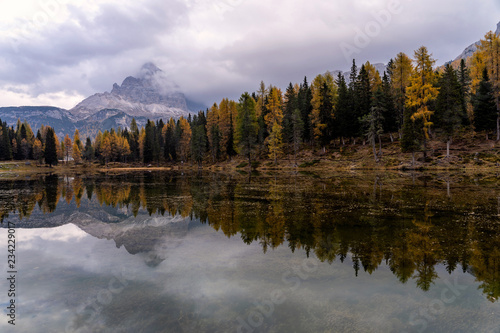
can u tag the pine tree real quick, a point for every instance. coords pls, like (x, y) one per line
(373, 122)
(465, 88)
(343, 112)
(89, 150)
(410, 142)
(246, 126)
(449, 115)
(400, 73)
(363, 94)
(297, 130)
(304, 98)
(5, 143)
(390, 112)
(50, 153)
(484, 105)
(133, 139)
(149, 142)
(199, 138)
(490, 48)
(290, 104)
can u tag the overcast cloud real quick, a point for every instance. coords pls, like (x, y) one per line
(57, 52)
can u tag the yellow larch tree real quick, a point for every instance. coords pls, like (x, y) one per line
(185, 139)
(422, 92)
(274, 119)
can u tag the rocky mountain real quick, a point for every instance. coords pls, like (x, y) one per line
(151, 94)
(107, 119)
(148, 95)
(469, 50)
(61, 120)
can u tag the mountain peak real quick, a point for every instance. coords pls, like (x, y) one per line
(148, 69)
(149, 94)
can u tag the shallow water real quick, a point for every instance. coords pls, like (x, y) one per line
(167, 252)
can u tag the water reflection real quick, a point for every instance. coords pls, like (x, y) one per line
(412, 224)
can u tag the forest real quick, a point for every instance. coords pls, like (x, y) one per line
(412, 102)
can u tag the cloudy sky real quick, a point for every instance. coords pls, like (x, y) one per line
(57, 52)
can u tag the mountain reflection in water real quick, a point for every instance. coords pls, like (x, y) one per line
(409, 223)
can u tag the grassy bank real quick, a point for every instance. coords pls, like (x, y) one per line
(469, 156)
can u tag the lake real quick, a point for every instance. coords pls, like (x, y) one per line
(215, 252)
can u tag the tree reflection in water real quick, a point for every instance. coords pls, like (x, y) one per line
(410, 223)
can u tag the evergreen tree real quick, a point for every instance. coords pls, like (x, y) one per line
(373, 122)
(410, 142)
(449, 115)
(324, 93)
(89, 150)
(390, 112)
(5, 142)
(149, 142)
(297, 130)
(290, 105)
(171, 140)
(304, 98)
(465, 83)
(133, 139)
(400, 71)
(199, 139)
(343, 112)
(246, 126)
(354, 102)
(485, 112)
(50, 153)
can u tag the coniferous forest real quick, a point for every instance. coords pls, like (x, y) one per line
(411, 103)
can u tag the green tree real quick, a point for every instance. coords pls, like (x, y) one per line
(373, 123)
(485, 111)
(400, 72)
(297, 130)
(50, 153)
(343, 111)
(290, 104)
(449, 115)
(198, 139)
(89, 150)
(304, 98)
(246, 126)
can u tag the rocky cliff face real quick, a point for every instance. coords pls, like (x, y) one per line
(151, 94)
(469, 50)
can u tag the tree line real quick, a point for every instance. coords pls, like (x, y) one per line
(411, 101)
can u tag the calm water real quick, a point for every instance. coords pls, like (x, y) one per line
(170, 252)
